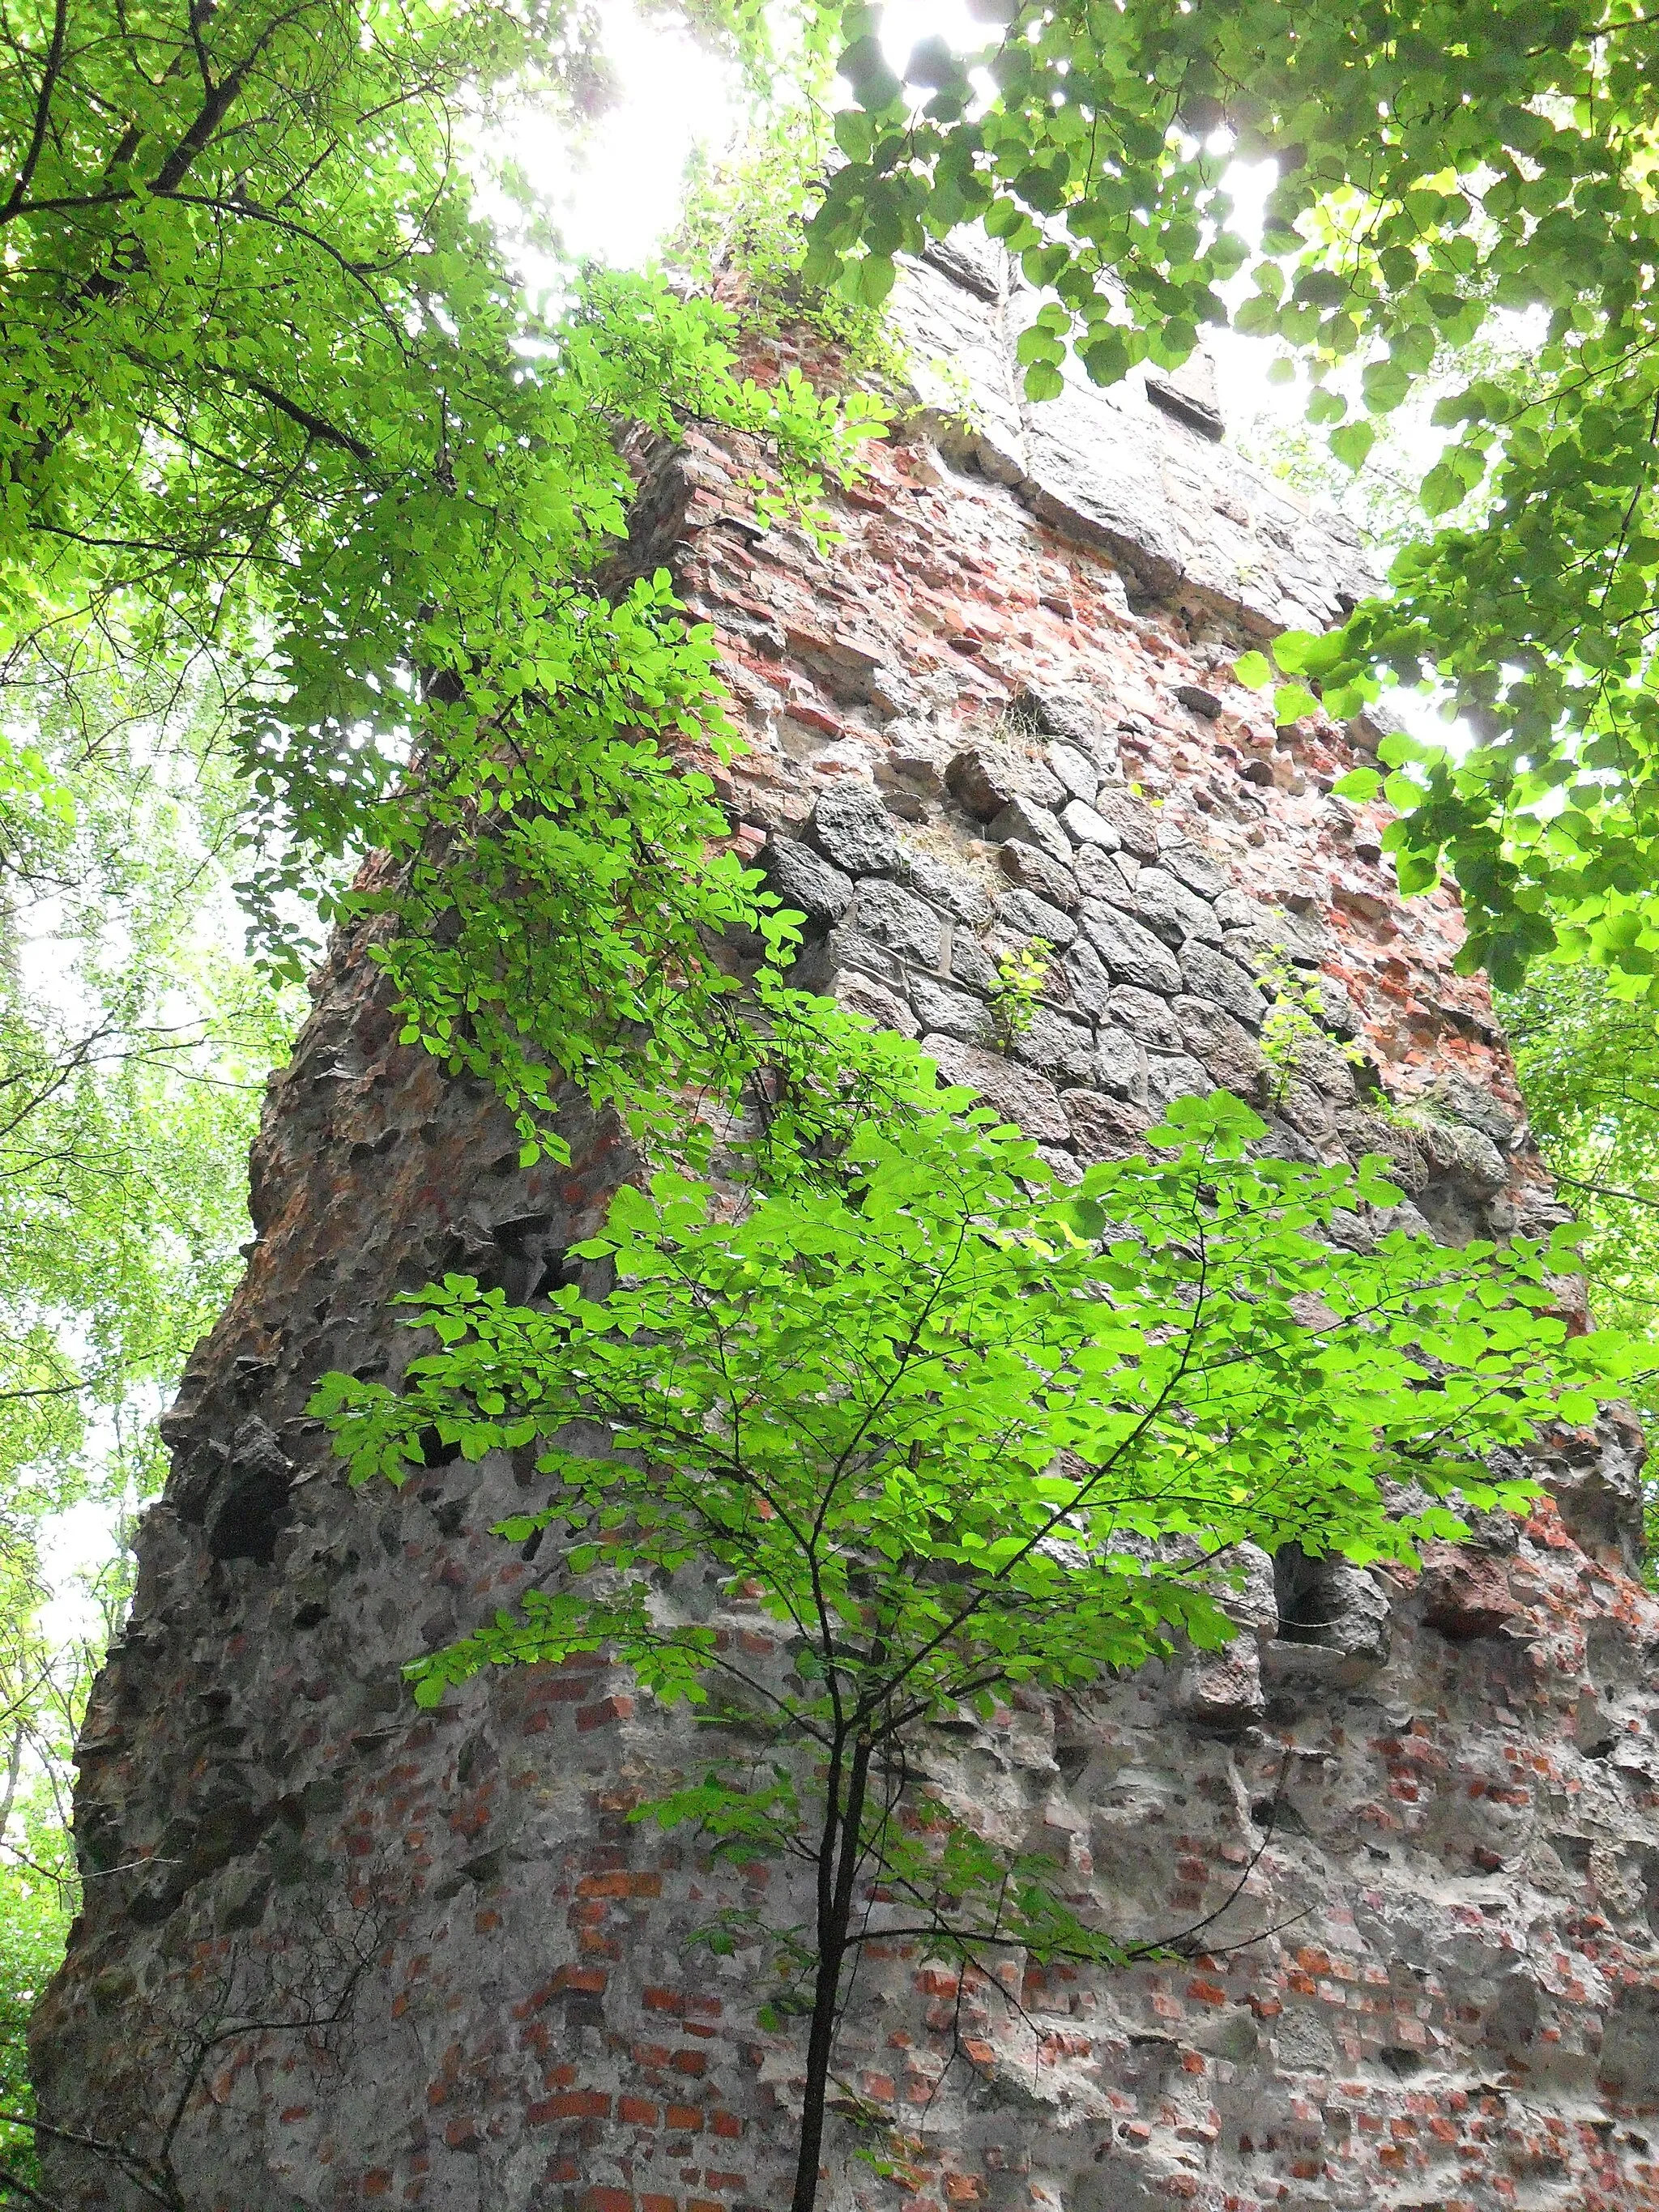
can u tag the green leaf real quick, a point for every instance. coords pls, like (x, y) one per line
(1352, 443)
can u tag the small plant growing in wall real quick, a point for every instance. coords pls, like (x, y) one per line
(1294, 1021)
(1017, 990)
(942, 1431)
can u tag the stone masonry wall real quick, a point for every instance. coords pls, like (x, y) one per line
(336, 1951)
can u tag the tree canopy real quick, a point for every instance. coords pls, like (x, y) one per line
(1437, 165)
(948, 1428)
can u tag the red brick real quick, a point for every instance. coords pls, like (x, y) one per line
(690, 2061)
(607, 2200)
(638, 2112)
(570, 2104)
(687, 2117)
(620, 1884)
(601, 1716)
(591, 1979)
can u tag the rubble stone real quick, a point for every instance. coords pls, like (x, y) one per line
(987, 777)
(1037, 872)
(854, 830)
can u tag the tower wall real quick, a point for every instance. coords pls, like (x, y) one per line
(336, 1951)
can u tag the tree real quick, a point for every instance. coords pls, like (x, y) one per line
(133, 1050)
(271, 384)
(948, 1429)
(1438, 164)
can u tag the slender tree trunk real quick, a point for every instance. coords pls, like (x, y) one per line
(835, 1919)
(14, 1769)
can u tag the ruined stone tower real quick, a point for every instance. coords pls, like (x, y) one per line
(335, 1951)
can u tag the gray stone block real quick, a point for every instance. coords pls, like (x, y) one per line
(1075, 770)
(1104, 875)
(1084, 827)
(1212, 974)
(1191, 865)
(1171, 911)
(1130, 950)
(1073, 712)
(970, 963)
(1057, 1046)
(1120, 1065)
(850, 827)
(876, 1002)
(960, 893)
(952, 1014)
(819, 967)
(1176, 1075)
(898, 918)
(985, 777)
(1027, 916)
(1104, 1129)
(1146, 1017)
(1224, 1045)
(1133, 819)
(1088, 980)
(1032, 825)
(1018, 1093)
(802, 878)
(1034, 871)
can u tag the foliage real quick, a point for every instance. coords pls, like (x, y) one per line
(1588, 1067)
(948, 1429)
(1295, 1020)
(1437, 165)
(749, 213)
(267, 373)
(1017, 988)
(132, 1054)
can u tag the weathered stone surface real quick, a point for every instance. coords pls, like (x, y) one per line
(1133, 819)
(1172, 1075)
(428, 1957)
(952, 1014)
(885, 1008)
(843, 948)
(896, 917)
(1222, 1045)
(1076, 770)
(1058, 1047)
(1037, 872)
(987, 777)
(1088, 980)
(1086, 826)
(1212, 974)
(1027, 916)
(1152, 1019)
(1032, 825)
(802, 878)
(1130, 950)
(951, 888)
(1015, 1092)
(855, 830)
(1170, 911)
(1120, 1065)
(1105, 1128)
